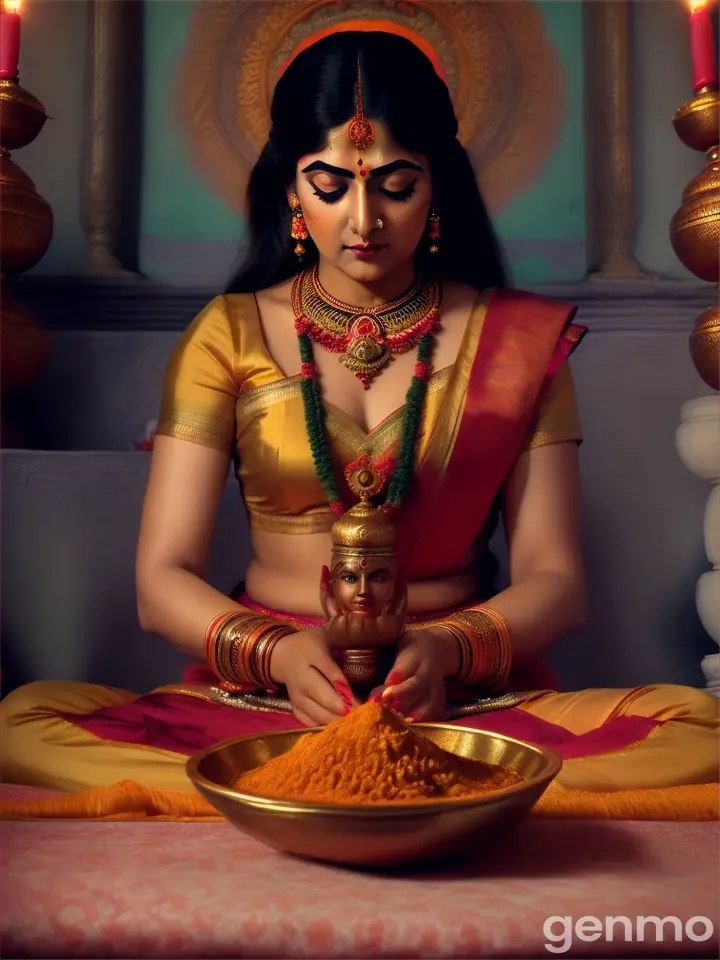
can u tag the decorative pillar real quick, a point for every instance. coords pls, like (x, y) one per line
(610, 189)
(695, 236)
(113, 45)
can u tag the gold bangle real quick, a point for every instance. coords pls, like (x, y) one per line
(238, 646)
(465, 652)
(211, 635)
(483, 636)
(488, 633)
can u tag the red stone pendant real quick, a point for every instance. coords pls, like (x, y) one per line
(366, 352)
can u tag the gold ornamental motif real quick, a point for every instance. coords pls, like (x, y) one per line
(366, 338)
(696, 122)
(502, 70)
(26, 220)
(695, 227)
(364, 530)
(705, 346)
(338, 318)
(26, 229)
(22, 116)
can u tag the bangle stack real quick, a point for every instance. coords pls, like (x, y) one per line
(238, 648)
(483, 637)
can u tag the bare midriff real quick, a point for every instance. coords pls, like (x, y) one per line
(284, 575)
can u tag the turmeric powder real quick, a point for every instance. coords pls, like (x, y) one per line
(371, 756)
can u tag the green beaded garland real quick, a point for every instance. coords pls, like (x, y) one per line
(317, 431)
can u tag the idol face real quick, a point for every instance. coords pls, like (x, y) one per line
(363, 586)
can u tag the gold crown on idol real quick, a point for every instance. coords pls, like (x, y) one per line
(364, 529)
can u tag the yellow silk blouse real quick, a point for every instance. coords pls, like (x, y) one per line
(222, 389)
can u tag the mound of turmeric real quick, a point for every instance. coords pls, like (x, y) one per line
(371, 756)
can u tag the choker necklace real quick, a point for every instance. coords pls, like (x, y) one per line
(365, 338)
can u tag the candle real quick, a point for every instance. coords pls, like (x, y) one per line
(702, 44)
(9, 38)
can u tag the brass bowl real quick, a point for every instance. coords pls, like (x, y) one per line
(366, 835)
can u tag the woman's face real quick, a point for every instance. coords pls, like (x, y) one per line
(363, 585)
(344, 192)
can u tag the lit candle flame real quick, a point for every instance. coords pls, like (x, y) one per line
(11, 6)
(696, 6)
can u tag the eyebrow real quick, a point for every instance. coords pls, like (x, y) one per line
(377, 172)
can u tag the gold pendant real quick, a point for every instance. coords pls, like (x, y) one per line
(366, 353)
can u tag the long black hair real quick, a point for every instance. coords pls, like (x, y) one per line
(401, 88)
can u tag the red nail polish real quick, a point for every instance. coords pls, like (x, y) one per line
(396, 705)
(394, 678)
(346, 695)
(375, 698)
(344, 690)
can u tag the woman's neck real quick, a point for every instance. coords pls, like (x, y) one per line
(362, 294)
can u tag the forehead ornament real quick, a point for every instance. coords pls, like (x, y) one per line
(360, 130)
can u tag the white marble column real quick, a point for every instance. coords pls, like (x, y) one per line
(698, 445)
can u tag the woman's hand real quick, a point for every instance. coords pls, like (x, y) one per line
(415, 687)
(316, 686)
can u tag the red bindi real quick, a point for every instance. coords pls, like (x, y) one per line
(363, 173)
(360, 162)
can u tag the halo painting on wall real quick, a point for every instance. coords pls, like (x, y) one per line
(504, 75)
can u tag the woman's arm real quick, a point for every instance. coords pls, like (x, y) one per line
(541, 509)
(179, 513)
(546, 598)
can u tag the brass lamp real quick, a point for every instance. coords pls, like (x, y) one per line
(26, 229)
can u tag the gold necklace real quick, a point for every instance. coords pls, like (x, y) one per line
(366, 338)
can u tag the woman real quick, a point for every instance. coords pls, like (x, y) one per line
(365, 216)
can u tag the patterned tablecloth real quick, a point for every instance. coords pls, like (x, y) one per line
(73, 889)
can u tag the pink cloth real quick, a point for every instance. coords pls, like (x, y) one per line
(207, 891)
(187, 725)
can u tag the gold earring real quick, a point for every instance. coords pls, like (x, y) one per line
(298, 229)
(434, 232)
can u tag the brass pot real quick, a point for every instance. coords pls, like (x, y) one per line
(696, 122)
(705, 346)
(26, 220)
(695, 227)
(22, 116)
(24, 344)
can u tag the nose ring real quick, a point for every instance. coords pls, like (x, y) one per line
(379, 224)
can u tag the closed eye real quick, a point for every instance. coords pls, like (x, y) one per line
(329, 196)
(403, 194)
